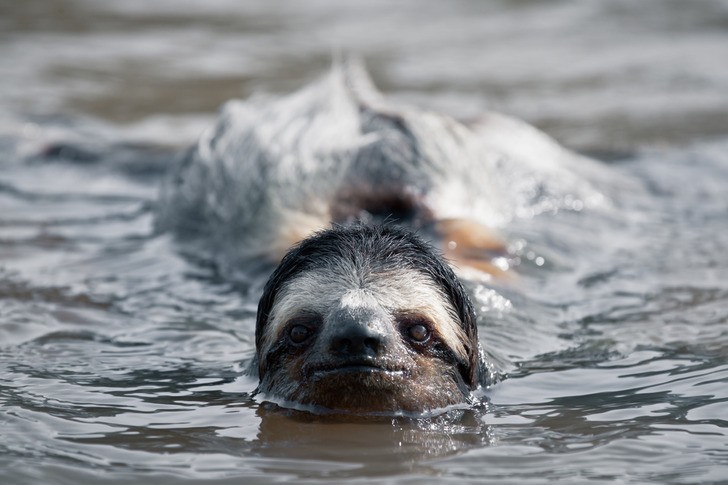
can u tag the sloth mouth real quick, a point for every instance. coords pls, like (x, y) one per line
(361, 367)
(357, 368)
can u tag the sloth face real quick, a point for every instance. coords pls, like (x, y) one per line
(366, 320)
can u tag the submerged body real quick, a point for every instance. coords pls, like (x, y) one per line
(363, 318)
(273, 171)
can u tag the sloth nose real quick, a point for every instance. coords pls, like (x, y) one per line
(357, 334)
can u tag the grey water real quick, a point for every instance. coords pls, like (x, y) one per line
(122, 358)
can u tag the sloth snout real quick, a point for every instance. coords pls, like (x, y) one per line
(357, 334)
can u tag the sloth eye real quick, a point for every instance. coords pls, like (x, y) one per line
(418, 332)
(416, 328)
(298, 334)
(302, 327)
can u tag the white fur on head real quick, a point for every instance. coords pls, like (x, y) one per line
(343, 285)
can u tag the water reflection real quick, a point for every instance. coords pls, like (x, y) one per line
(182, 411)
(374, 447)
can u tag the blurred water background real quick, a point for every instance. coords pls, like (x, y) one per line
(121, 360)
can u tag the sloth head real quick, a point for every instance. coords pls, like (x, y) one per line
(365, 319)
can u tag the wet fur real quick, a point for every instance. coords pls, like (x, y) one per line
(275, 172)
(359, 258)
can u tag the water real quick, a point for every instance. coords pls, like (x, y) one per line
(121, 359)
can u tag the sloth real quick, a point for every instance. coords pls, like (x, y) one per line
(382, 205)
(367, 319)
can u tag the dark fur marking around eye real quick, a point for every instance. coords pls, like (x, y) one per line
(432, 345)
(417, 329)
(300, 329)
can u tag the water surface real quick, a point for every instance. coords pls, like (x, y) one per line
(123, 359)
